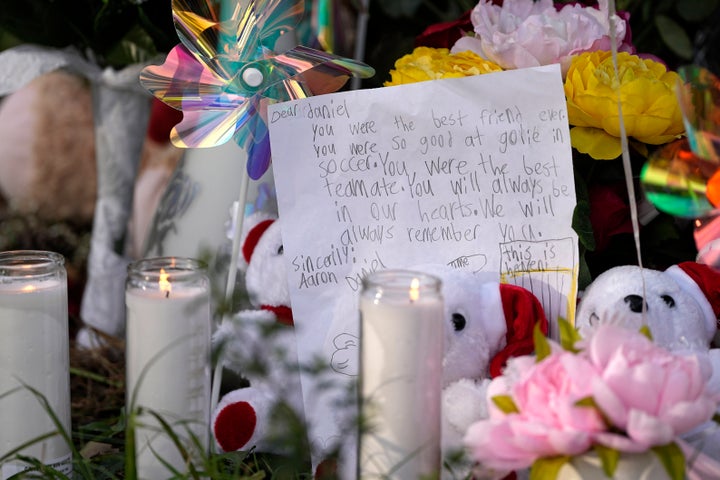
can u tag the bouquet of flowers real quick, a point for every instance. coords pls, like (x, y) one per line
(512, 34)
(614, 394)
(525, 33)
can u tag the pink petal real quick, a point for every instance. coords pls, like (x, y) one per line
(685, 416)
(648, 429)
(620, 442)
(609, 403)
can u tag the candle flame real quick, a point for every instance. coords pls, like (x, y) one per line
(164, 283)
(29, 288)
(414, 289)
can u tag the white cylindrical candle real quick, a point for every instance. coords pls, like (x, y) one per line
(401, 344)
(34, 351)
(168, 361)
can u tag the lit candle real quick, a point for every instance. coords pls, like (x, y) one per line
(34, 350)
(401, 344)
(168, 360)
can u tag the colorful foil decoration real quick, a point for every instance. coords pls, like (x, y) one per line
(680, 183)
(682, 178)
(699, 101)
(225, 72)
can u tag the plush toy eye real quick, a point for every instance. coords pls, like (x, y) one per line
(458, 321)
(280, 250)
(635, 303)
(669, 301)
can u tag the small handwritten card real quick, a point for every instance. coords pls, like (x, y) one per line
(471, 172)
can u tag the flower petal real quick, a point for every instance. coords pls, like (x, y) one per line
(595, 142)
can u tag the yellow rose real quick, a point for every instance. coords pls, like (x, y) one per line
(426, 63)
(649, 104)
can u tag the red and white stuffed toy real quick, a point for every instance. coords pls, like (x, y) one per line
(681, 308)
(259, 344)
(682, 303)
(486, 323)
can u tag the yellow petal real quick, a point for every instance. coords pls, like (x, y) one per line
(637, 126)
(580, 118)
(595, 142)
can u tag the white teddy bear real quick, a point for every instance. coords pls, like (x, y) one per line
(260, 345)
(677, 303)
(680, 306)
(486, 323)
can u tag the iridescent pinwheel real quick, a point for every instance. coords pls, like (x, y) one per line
(225, 72)
(682, 178)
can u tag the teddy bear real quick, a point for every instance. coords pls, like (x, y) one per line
(259, 344)
(680, 306)
(47, 133)
(681, 303)
(487, 322)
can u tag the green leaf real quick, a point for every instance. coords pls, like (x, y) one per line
(672, 458)
(505, 403)
(547, 468)
(568, 335)
(696, 10)
(582, 225)
(542, 346)
(401, 8)
(609, 458)
(645, 330)
(674, 37)
(586, 402)
(584, 275)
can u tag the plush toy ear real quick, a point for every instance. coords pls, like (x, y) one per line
(703, 284)
(522, 312)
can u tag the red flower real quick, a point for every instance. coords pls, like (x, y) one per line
(445, 34)
(609, 213)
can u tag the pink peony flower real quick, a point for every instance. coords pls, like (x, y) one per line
(527, 33)
(549, 421)
(646, 391)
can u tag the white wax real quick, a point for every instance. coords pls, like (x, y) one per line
(401, 378)
(168, 371)
(34, 349)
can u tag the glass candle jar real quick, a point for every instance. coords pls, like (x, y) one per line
(168, 361)
(401, 345)
(34, 352)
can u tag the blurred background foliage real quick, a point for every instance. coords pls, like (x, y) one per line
(119, 32)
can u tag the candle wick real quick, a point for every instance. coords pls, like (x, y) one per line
(167, 294)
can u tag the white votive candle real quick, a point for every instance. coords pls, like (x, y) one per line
(401, 343)
(168, 361)
(34, 352)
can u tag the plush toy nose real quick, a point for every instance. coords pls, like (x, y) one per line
(635, 303)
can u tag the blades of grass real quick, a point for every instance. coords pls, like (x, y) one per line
(79, 372)
(60, 427)
(27, 444)
(38, 466)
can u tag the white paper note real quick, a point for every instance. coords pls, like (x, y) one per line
(472, 172)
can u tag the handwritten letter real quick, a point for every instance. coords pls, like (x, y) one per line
(472, 172)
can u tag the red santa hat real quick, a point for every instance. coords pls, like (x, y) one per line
(283, 312)
(253, 237)
(522, 312)
(703, 284)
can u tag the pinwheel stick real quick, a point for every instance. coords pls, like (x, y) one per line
(238, 216)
